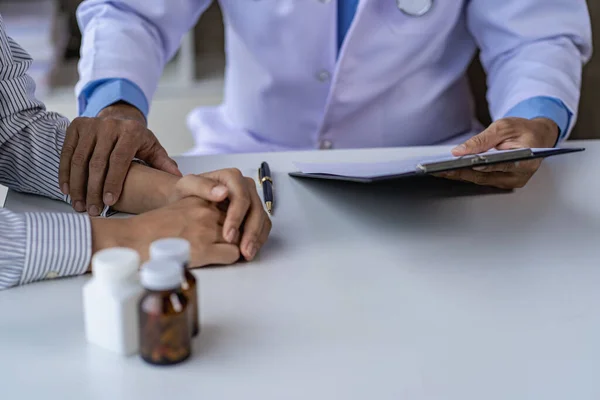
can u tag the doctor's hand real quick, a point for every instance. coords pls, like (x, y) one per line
(506, 134)
(97, 154)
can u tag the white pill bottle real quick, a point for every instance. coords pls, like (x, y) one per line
(110, 301)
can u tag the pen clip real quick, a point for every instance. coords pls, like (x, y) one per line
(263, 179)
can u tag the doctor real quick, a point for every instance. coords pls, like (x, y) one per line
(327, 74)
(37, 246)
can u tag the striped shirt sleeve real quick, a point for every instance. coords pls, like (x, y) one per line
(33, 246)
(37, 246)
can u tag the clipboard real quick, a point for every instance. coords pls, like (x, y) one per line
(399, 169)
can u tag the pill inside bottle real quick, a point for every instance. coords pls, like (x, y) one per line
(177, 249)
(164, 324)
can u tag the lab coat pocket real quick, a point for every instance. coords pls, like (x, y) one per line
(260, 21)
(418, 17)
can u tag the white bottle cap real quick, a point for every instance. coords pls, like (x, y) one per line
(115, 264)
(161, 275)
(171, 248)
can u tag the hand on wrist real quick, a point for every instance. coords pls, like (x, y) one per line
(122, 110)
(147, 189)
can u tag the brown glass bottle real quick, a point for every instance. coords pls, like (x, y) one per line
(179, 250)
(190, 290)
(163, 315)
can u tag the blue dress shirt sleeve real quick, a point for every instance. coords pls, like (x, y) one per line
(99, 94)
(132, 39)
(544, 107)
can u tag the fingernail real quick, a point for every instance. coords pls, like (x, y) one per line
(219, 191)
(230, 237)
(93, 211)
(460, 149)
(79, 206)
(109, 199)
(480, 169)
(65, 188)
(251, 249)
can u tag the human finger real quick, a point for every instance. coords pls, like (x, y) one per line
(215, 254)
(495, 134)
(253, 225)
(516, 167)
(266, 231)
(97, 172)
(79, 171)
(239, 200)
(151, 151)
(160, 159)
(68, 149)
(118, 166)
(501, 180)
(504, 167)
(203, 187)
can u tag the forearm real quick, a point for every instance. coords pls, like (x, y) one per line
(145, 189)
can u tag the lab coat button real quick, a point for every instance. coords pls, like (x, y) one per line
(323, 75)
(326, 145)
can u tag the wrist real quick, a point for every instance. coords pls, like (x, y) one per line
(108, 233)
(167, 189)
(122, 110)
(551, 131)
(146, 189)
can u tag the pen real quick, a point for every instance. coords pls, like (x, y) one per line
(264, 177)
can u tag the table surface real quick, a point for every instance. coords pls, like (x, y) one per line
(398, 291)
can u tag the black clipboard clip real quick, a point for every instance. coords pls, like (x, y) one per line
(474, 160)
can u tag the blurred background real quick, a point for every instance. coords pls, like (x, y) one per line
(48, 30)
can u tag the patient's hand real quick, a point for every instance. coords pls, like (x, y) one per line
(246, 222)
(193, 219)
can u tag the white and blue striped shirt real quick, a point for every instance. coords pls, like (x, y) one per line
(33, 246)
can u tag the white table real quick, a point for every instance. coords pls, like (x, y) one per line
(360, 294)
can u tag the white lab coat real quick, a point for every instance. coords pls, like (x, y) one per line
(398, 80)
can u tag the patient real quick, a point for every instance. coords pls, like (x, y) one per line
(37, 246)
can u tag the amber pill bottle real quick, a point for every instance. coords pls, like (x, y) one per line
(164, 332)
(179, 250)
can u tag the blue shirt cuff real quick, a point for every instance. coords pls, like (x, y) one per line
(544, 107)
(98, 95)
